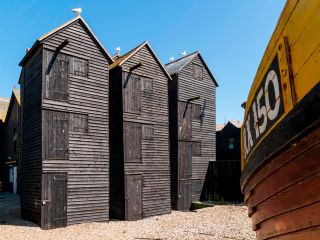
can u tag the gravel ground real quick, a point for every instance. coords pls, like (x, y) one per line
(223, 222)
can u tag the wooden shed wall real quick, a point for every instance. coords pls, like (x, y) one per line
(203, 130)
(31, 139)
(223, 150)
(12, 129)
(116, 145)
(155, 166)
(173, 133)
(87, 165)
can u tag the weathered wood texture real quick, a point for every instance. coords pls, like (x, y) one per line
(2, 152)
(192, 121)
(222, 182)
(223, 176)
(228, 143)
(87, 152)
(284, 193)
(72, 125)
(12, 144)
(173, 133)
(141, 96)
(31, 168)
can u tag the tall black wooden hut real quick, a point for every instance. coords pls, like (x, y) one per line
(139, 136)
(192, 96)
(4, 103)
(12, 144)
(65, 152)
(223, 176)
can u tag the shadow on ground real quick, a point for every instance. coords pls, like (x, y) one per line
(10, 211)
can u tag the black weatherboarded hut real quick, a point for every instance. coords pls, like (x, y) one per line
(192, 127)
(139, 136)
(65, 153)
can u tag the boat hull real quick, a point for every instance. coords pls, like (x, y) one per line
(282, 191)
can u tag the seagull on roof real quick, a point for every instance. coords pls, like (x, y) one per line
(171, 59)
(77, 11)
(118, 49)
(184, 53)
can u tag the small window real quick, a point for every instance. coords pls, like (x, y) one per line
(79, 122)
(147, 85)
(196, 149)
(197, 72)
(147, 132)
(197, 186)
(196, 111)
(231, 143)
(80, 67)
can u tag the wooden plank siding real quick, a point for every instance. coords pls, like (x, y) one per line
(188, 86)
(31, 168)
(151, 113)
(74, 105)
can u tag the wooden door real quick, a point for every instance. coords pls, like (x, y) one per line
(56, 76)
(133, 196)
(132, 135)
(56, 134)
(131, 93)
(185, 175)
(54, 200)
(184, 121)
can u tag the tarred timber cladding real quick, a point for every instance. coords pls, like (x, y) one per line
(173, 133)
(87, 104)
(195, 83)
(154, 166)
(31, 139)
(203, 130)
(87, 166)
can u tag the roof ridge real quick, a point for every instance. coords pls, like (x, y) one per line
(182, 58)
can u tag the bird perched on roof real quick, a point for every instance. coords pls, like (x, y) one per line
(77, 11)
(184, 53)
(171, 59)
(118, 49)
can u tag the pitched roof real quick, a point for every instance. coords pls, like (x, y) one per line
(122, 59)
(4, 104)
(219, 127)
(61, 27)
(15, 96)
(16, 93)
(176, 66)
(235, 123)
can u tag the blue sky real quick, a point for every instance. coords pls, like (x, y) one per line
(231, 35)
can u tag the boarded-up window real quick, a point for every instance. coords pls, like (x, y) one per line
(147, 85)
(56, 134)
(79, 67)
(131, 93)
(57, 76)
(196, 149)
(197, 186)
(196, 111)
(78, 122)
(147, 131)
(197, 72)
(132, 142)
(185, 121)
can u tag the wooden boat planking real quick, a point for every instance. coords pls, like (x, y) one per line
(281, 163)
